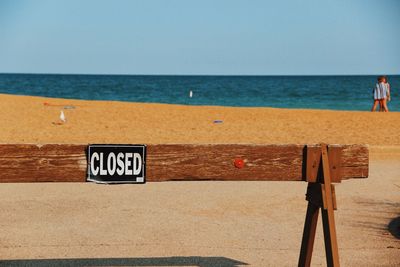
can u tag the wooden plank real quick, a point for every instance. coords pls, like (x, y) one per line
(355, 161)
(42, 163)
(216, 162)
(169, 162)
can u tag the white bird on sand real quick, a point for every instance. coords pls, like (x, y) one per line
(62, 117)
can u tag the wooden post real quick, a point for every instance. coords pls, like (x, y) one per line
(320, 195)
(310, 227)
(328, 219)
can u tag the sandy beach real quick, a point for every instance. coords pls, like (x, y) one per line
(194, 223)
(30, 120)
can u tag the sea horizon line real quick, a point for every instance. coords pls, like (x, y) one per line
(198, 75)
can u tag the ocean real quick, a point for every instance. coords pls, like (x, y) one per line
(311, 92)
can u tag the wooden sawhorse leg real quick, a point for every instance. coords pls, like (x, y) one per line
(320, 195)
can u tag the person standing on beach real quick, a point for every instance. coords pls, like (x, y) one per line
(381, 92)
(388, 92)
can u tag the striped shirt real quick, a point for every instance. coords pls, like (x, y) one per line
(381, 91)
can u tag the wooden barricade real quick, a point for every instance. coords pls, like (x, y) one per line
(319, 165)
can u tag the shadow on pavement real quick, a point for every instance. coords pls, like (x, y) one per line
(161, 261)
(394, 227)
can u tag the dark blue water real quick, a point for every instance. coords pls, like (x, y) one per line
(317, 92)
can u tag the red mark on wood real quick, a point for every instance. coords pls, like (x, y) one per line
(239, 163)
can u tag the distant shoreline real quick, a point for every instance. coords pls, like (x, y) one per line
(188, 105)
(292, 92)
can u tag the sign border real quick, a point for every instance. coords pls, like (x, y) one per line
(144, 147)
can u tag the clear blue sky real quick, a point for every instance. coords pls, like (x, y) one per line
(200, 37)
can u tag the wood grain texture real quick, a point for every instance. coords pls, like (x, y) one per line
(42, 163)
(169, 162)
(216, 162)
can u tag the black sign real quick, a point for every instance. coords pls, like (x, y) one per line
(117, 163)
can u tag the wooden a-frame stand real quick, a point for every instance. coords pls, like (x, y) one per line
(320, 195)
